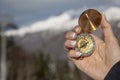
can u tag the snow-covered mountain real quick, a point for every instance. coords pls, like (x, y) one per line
(49, 35)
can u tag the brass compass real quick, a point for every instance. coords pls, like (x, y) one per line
(88, 21)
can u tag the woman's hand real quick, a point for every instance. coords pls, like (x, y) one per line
(106, 53)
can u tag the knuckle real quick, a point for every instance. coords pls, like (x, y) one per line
(76, 26)
(114, 39)
(108, 24)
(70, 35)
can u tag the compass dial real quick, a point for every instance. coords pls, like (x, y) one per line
(85, 44)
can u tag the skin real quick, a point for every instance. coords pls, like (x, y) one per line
(106, 53)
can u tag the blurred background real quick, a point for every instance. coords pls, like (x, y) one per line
(32, 35)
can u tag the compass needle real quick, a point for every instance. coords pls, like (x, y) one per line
(83, 45)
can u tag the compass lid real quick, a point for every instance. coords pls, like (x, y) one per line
(90, 20)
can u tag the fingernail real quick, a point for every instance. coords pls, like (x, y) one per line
(72, 35)
(77, 30)
(73, 43)
(78, 54)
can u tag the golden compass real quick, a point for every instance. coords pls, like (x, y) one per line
(88, 21)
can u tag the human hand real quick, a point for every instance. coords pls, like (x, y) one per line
(106, 53)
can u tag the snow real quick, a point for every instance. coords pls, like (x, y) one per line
(65, 21)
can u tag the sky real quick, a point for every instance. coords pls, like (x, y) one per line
(29, 11)
(38, 15)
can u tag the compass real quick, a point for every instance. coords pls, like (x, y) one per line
(89, 21)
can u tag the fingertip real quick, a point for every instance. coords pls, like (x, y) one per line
(71, 35)
(70, 43)
(74, 54)
(104, 22)
(78, 29)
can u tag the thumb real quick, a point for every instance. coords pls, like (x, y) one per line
(107, 30)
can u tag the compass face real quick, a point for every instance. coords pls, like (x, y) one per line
(85, 44)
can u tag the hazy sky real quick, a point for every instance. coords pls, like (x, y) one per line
(29, 11)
